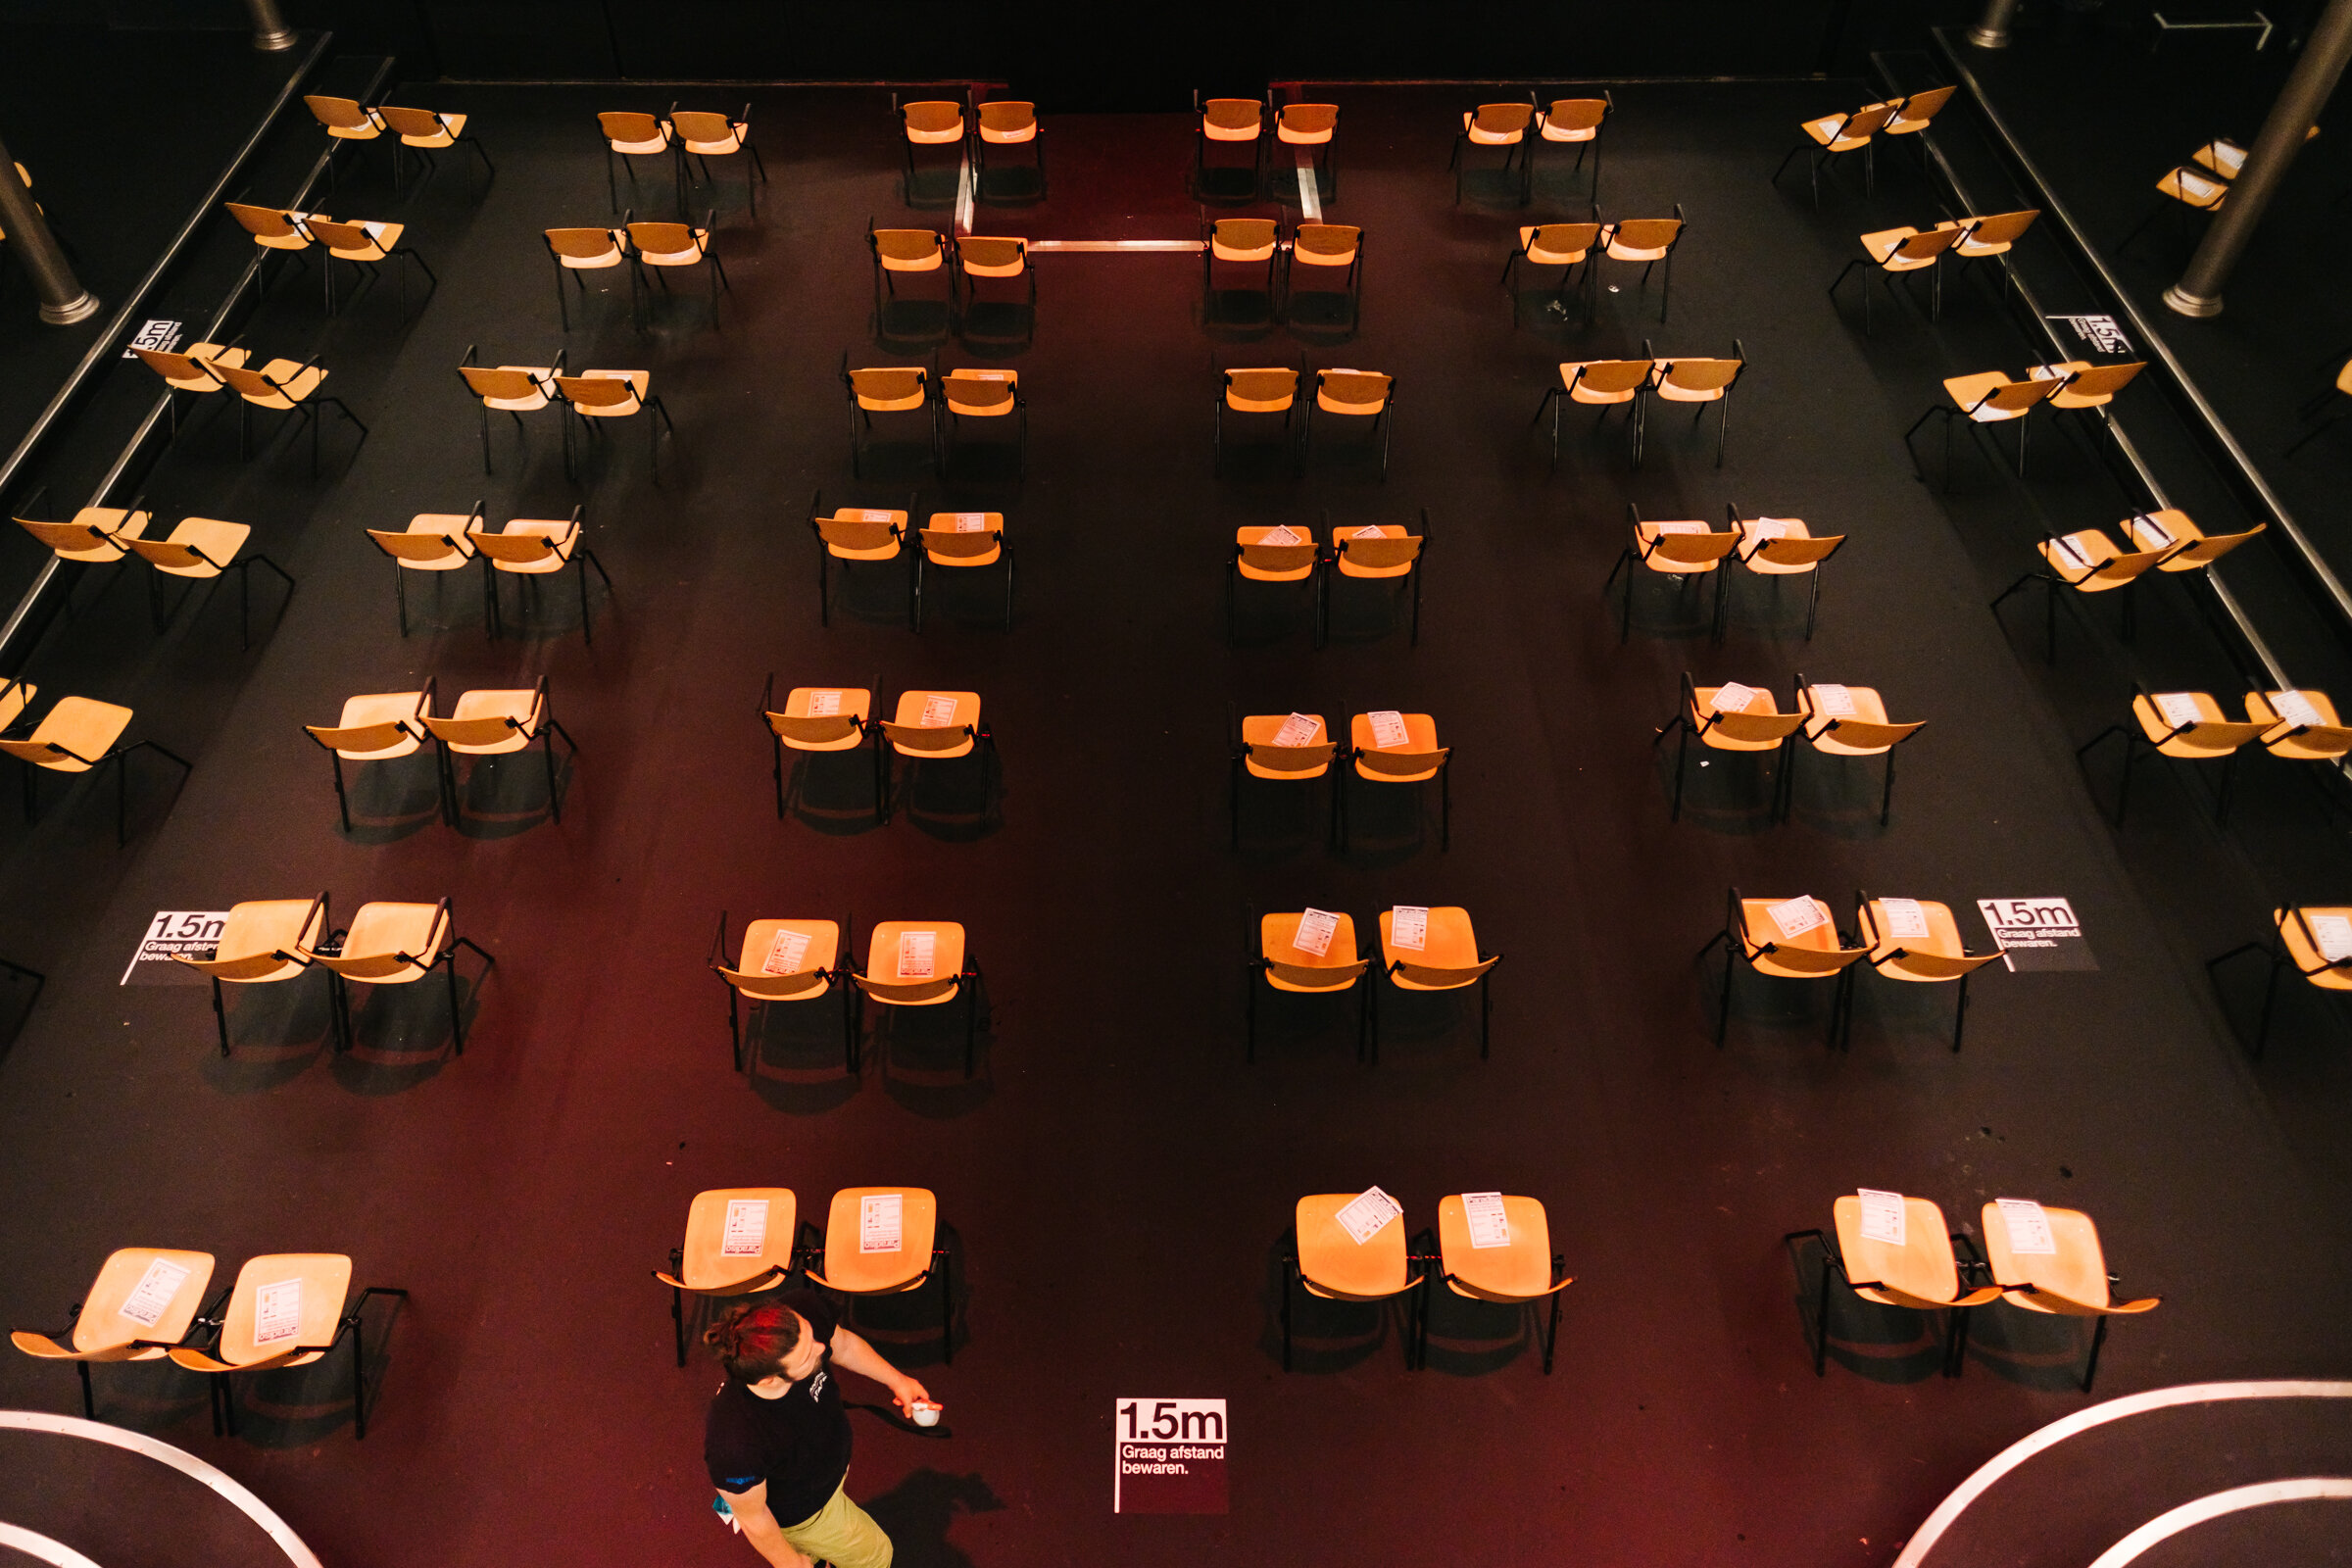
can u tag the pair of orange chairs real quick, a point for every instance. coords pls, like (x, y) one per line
(281, 386)
(1606, 385)
(1309, 129)
(1649, 241)
(958, 395)
(365, 245)
(1573, 122)
(2296, 726)
(147, 1304)
(963, 259)
(652, 250)
(594, 396)
(1901, 252)
(1690, 552)
(421, 131)
(1834, 136)
(949, 541)
(1488, 1246)
(700, 135)
(1384, 747)
(1991, 398)
(1371, 552)
(1313, 952)
(197, 550)
(1005, 123)
(387, 726)
(2089, 561)
(1328, 251)
(1913, 940)
(927, 725)
(525, 549)
(1837, 720)
(1369, 395)
(909, 963)
(878, 1240)
(1892, 1250)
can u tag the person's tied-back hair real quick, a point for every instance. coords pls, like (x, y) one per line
(753, 1340)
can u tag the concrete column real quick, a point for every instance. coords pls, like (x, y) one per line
(1991, 31)
(63, 301)
(2306, 93)
(269, 30)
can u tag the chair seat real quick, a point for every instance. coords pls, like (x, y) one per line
(854, 1271)
(452, 127)
(257, 931)
(2314, 964)
(1967, 391)
(2196, 190)
(964, 716)
(1520, 1270)
(1223, 252)
(1755, 534)
(1635, 253)
(290, 384)
(1869, 708)
(1826, 133)
(1481, 136)
(382, 240)
(354, 132)
(882, 958)
(610, 258)
(935, 138)
(2213, 738)
(379, 934)
(1351, 567)
(1720, 738)
(851, 705)
(689, 256)
(282, 242)
(1276, 934)
(2095, 550)
(1926, 960)
(1331, 405)
(1672, 391)
(638, 381)
(732, 142)
(1331, 1263)
(1420, 737)
(650, 145)
(220, 541)
(1447, 943)
(1649, 536)
(1005, 138)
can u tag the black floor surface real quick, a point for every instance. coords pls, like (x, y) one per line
(1116, 1180)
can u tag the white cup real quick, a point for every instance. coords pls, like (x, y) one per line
(925, 1412)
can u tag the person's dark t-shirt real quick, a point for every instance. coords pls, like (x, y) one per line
(799, 1444)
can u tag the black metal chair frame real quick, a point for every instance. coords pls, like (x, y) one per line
(424, 704)
(1486, 1007)
(870, 727)
(2137, 749)
(1330, 563)
(1955, 1334)
(555, 398)
(242, 567)
(548, 729)
(579, 553)
(1433, 1259)
(1734, 937)
(1342, 761)
(1632, 557)
(904, 534)
(338, 989)
(1383, 422)
(836, 979)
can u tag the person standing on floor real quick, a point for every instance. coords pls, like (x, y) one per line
(777, 1440)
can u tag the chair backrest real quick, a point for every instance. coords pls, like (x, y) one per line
(1690, 548)
(2002, 228)
(926, 737)
(2011, 396)
(1503, 120)
(1279, 558)
(1244, 234)
(1423, 974)
(1867, 121)
(1576, 114)
(1277, 383)
(665, 239)
(1758, 727)
(1615, 375)
(888, 383)
(992, 250)
(597, 391)
(1862, 733)
(582, 244)
(1326, 244)
(932, 116)
(1797, 549)
(167, 553)
(499, 380)
(68, 536)
(418, 123)
(1232, 114)
(263, 223)
(2103, 380)
(920, 245)
(1292, 759)
(344, 114)
(480, 731)
(424, 547)
(1928, 244)
(702, 124)
(1005, 116)
(2123, 568)
(1700, 375)
(1307, 120)
(173, 367)
(860, 528)
(1389, 550)
(343, 236)
(521, 549)
(979, 390)
(1355, 387)
(1397, 762)
(628, 125)
(958, 544)
(1921, 107)
(1647, 233)
(817, 730)
(1559, 239)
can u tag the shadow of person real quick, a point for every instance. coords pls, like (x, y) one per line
(916, 1512)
